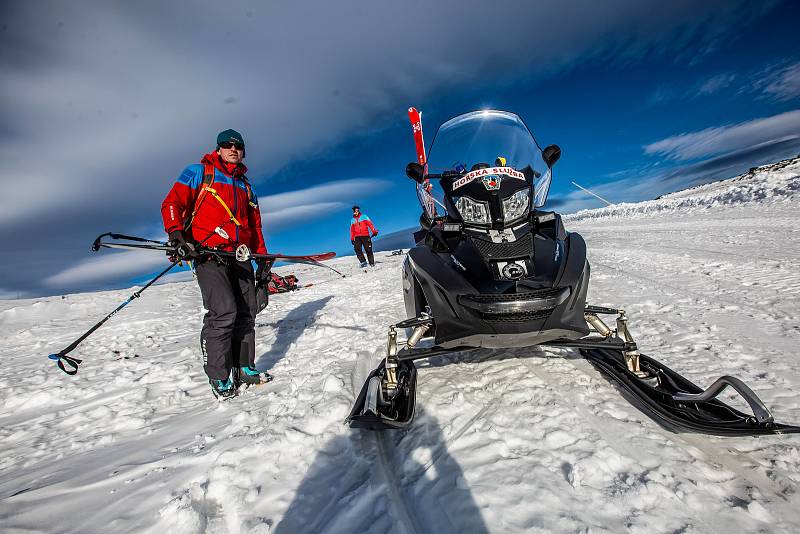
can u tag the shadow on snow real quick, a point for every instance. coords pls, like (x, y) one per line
(289, 329)
(391, 482)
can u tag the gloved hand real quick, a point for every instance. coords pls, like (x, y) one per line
(376, 233)
(352, 241)
(263, 270)
(183, 249)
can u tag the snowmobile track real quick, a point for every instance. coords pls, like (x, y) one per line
(397, 498)
(414, 477)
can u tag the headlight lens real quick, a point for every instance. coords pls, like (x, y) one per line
(472, 211)
(516, 205)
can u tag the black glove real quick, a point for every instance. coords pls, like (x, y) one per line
(183, 249)
(263, 270)
(352, 241)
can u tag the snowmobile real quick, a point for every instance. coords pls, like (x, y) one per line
(492, 269)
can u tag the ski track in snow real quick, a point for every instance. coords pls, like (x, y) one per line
(521, 440)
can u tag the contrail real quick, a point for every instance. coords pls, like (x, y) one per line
(593, 194)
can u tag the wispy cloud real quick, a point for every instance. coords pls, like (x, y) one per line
(113, 265)
(665, 93)
(281, 218)
(285, 208)
(729, 138)
(785, 84)
(715, 83)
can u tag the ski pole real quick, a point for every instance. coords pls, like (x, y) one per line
(62, 358)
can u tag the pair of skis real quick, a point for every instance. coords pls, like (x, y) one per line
(133, 242)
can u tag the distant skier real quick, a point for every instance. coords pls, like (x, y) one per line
(210, 194)
(360, 229)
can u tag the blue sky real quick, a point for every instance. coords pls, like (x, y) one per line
(102, 112)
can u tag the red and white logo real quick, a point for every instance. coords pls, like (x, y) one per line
(487, 172)
(492, 182)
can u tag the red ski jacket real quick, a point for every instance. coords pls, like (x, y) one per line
(361, 226)
(228, 202)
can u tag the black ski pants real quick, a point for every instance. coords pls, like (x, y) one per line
(366, 242)
(228, 337)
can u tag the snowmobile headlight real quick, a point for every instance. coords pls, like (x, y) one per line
(516, 205)
(472, 211)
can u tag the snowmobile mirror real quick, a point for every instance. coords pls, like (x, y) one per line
(551, 154)
(415, 171)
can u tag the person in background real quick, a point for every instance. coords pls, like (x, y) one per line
(361, 233)
(212, 203)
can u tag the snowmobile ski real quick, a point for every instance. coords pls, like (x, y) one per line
(679, 405)
(379, 408)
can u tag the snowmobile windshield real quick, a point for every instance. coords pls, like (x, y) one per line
(488, 147)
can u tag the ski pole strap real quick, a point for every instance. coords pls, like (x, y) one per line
(72, 362)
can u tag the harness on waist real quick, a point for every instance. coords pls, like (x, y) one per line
(209, 174)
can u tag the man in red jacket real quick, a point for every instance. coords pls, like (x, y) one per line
(215, 193)
(360, 229)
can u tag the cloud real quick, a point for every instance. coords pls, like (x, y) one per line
(286, 216)
(668, 92)
(113, 265)
(282, 209)
(729, 138)
(715, 83)
(785, 84)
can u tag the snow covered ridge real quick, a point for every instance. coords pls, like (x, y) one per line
(769, 183)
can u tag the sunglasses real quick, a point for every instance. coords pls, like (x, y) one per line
(230, 145)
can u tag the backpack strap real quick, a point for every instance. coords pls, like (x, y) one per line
(250, 196)
(208, 179)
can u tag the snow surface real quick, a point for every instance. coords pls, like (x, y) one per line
(136, 443)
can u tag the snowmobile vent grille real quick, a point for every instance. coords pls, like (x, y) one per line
(520, 248)
(518, 297)
(518, 317)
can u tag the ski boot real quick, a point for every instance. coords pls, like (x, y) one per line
(223, 389)
(252, 376)
(363, 265)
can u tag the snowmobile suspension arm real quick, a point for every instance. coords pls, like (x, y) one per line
(407, 354)
(592, 342)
